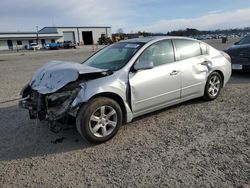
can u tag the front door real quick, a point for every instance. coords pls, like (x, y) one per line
(157, 87)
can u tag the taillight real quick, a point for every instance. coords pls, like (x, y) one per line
(226, 56)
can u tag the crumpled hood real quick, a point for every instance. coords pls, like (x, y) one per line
(56, 74)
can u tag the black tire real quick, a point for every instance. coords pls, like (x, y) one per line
(84, 124)
(208, 94)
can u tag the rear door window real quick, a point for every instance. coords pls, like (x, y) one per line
(187, 48)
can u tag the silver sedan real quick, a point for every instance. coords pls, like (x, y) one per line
(123, 81)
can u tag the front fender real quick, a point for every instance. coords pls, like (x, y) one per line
(102, 86)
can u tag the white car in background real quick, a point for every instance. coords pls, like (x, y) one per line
(34, 46)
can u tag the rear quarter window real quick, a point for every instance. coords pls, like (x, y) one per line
(187, 48)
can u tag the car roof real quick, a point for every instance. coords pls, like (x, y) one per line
(154, 38)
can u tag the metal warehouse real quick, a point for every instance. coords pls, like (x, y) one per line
(77, 35)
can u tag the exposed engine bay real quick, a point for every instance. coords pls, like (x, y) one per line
(55, 100)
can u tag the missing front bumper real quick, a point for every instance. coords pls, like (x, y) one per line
(41, 106)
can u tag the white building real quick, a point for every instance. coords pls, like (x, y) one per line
(78, 35)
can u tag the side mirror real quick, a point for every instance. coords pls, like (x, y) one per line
(236, 43)
(143, 65)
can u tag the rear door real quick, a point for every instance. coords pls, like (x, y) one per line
(156, 87)
(195, 64)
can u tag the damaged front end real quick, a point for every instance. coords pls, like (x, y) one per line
(50, 107)
(57, 89)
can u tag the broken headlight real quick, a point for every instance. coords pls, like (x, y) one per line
(59, 104)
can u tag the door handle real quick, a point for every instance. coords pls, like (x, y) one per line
(205, 62)
(174, 72)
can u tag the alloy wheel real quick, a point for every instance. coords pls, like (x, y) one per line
(103, 121)
(214, 86)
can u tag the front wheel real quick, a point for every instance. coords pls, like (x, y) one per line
(213, 86)
(99, 119)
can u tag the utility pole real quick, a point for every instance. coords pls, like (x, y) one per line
(37, 35)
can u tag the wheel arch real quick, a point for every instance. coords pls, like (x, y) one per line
(221, 75)
(116, 98)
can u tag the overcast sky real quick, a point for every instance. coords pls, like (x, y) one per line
(130, 15)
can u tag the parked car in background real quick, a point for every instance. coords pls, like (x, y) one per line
(240, 54)
(54, 45)
(125, 80)
(58, 45)
(34, 46)
(68, 44)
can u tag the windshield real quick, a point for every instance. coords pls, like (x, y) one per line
(114, 57)
(245, 40)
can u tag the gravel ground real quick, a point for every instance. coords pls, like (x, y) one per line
(194, 144)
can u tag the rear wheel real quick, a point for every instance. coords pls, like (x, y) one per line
(213, 86)
(99, 120)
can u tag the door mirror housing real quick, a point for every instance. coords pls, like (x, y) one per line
(143, 65)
